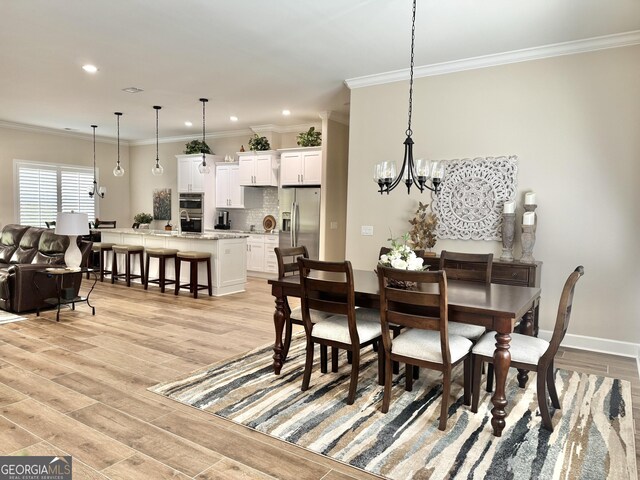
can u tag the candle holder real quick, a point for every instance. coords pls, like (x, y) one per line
(528, 239)
(508, 233)
(532, 208)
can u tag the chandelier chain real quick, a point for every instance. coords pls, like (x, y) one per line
(118, 131)
(157, 155)
(203, 118)
(409, 132)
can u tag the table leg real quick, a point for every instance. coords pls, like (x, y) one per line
(501, 363)
(278, 321)
(526, 328)
(59, 279)
(526, 325)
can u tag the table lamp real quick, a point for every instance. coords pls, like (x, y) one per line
(72, 224)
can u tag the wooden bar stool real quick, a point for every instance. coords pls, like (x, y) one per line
(129, 251)
(162, 254)
(193, 258)
(101, 248)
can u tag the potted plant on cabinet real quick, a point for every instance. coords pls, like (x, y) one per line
(197, 146)
(310, 138)
(143, 219)
(259, 144)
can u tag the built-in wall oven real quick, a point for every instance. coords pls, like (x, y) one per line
(191, 211)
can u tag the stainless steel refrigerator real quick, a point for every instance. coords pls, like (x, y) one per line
(300, 219)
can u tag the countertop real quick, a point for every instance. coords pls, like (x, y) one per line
(273, 233)
(218, 235)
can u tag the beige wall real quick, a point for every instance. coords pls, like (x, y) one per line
(573, 121)
(334, 196)
(63, 149)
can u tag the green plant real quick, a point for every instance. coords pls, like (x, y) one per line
(258, 144)
(310, 138)
(197, 146)
(143, 218)
(423, 228)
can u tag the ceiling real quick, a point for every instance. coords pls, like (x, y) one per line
(250, 58)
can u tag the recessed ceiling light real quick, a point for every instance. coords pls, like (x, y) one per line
(188, 124)
(90, 68)
(286, 112)
(233, 118)
(132, 90)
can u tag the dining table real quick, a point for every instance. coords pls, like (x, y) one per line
(494, 306)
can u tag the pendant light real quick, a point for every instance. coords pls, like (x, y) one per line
(416, 173)
(94, 189)
(118, 171)
(203, 167)
(157, 169)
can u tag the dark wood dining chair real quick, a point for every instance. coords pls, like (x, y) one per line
(50, 224)
(470, 267)
(531, 353)
(426, 342)
(328, 287)
(288, 266)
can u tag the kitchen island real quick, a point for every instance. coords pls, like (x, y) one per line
(228, 254)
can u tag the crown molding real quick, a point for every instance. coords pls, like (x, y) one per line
(269, 128)
(335, 117)
(60, 133)
(536, 53)
(188, 138)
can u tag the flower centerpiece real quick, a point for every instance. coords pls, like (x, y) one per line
(402, 257)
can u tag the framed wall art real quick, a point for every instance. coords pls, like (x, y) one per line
(162, 204)
(469, 204)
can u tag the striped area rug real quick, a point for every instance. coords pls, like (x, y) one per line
(593, 436)
(8, 317)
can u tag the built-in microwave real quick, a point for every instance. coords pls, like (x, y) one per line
(191, 202)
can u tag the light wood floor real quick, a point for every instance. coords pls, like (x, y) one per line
(78, 388)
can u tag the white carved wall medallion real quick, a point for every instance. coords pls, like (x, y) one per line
(473, 192)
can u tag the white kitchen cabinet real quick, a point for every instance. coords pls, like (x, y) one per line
(258, 169)
(189, 177)
(261, 256)
(255, 253)
(229, 192)
(270, 259)
(301, 166)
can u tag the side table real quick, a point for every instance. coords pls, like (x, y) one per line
(58, 275)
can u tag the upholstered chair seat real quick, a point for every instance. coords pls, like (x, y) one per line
(425, 345)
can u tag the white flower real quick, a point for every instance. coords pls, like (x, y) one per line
(415, 263)
(384, 258)
(399, 263)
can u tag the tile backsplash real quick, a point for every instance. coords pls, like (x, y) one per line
(242, 219)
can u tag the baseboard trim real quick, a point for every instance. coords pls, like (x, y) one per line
(602, 345)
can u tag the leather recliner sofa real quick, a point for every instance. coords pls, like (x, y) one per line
(25, 251)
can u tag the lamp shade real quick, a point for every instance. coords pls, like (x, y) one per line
(70, 223)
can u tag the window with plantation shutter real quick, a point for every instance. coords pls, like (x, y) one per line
(42, 190)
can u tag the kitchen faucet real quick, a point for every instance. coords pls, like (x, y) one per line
(180, 222)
